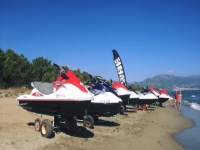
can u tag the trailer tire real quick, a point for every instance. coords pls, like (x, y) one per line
(37, 124)
(121, 110)
(71, 124)
(89, 122)
(46, 128)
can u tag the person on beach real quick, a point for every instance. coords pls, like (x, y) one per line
(179, 100)
(175, 99)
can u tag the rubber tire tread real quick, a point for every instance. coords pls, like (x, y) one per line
(39, 120)
(121, 110)
(73, 124)
(91, 119)
(49, 128)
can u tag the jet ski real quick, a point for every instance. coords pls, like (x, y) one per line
(105, 103)
(64, 98)
(122, 91)
(134, 96)
(146, 98)
(108, 86)
(129, 98)
(162, 95)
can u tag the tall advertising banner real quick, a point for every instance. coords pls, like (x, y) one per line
(119, 66)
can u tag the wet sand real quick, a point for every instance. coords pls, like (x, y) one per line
(146, 130)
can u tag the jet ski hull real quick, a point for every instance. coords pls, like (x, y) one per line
(66, 108)
(103, 109)
(162, 100)
(129, 101)
(162, 95)
(133, 101)
(125, 99)
(147, 101)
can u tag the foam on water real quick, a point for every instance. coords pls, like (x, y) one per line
(192, 105)
(193, 96)
(195, 106)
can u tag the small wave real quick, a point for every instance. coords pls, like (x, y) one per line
(186, 103)
(192, 105)
(193, 96)
(195, 106)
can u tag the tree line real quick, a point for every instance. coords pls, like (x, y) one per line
(17, 71)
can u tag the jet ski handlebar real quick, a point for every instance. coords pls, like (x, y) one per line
(93, 80)
(60, 68)
(103, 81)
(62, 71)
(97, 80)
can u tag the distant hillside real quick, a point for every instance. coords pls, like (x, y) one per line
(171, 82)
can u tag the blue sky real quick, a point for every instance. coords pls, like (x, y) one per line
(151, 36)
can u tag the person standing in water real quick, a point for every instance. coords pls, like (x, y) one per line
(175, 99)
(179, 100)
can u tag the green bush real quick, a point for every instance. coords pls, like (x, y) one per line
(6, 95)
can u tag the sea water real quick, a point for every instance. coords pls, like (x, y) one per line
(190, 138)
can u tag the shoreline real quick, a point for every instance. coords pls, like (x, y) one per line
(151, 129)
(190, 124)
(189, 137)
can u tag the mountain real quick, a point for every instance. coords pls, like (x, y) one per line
(171, 82)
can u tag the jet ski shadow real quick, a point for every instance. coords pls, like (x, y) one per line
(162, 106)
(101, 122)
(80, 132)
(125, 114)
(31, 124)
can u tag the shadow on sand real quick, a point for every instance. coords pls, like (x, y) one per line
(101, 122)
(124, 114)
(162, 106)
(31, 124)
(79, 131)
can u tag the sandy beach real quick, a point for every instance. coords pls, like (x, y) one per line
(146, 130)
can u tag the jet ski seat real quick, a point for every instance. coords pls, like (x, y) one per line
(44, 87)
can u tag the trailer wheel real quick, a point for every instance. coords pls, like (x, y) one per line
(121, 110)
(71, 124)
(89, 122)
(46, 128)
(37, 124)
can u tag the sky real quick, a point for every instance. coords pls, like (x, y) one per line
(151, 36)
